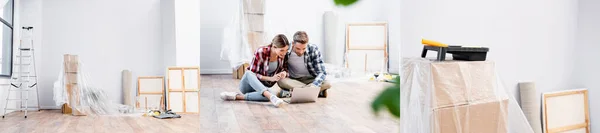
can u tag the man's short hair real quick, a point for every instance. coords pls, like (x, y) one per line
(301, 37)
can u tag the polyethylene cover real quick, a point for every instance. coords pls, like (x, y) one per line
(457, 97)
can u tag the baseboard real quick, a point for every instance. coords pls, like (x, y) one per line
(394, 70)
(49, 107)
(8, 111)
(41, 107)
(215, 71)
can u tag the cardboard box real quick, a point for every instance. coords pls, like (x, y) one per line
(255, 22)
(461, 82)
(74, 98)
(71, 78)
(234, 73)
(66, 109)
(457, 97)
(71, 58)
(254, 6)
(239, 73)
(484, 117)
(255, 39)
(71, 67)
(71, 64)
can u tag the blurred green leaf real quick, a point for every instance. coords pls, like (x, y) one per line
(344, 2)
(389, 98)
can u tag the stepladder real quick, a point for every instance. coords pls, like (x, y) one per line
(23, 81)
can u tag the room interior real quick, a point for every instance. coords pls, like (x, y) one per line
(547, 45)
(328, 26)
(108, 65)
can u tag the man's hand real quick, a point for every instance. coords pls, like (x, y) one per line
(309, 85)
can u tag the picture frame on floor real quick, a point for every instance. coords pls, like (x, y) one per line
(183, 88)
(151, 92)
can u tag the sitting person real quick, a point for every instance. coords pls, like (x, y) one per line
(265, 70)
(305, 66)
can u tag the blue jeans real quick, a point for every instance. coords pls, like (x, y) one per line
(252, 88)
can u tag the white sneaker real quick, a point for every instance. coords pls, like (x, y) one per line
(228, 95)
(276, 101)
(286, 94)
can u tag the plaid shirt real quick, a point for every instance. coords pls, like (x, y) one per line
(313, 61)
(260, 64)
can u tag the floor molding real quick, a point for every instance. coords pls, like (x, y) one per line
(49, 107)
(215, 71)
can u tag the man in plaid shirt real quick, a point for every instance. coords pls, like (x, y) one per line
(305, 66)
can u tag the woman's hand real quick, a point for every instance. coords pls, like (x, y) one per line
(283, 74)
(273, 79)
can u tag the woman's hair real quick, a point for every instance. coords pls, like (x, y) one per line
(280, 41)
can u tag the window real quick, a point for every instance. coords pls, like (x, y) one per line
(6, 37)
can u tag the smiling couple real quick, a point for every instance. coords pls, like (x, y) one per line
(281, 66)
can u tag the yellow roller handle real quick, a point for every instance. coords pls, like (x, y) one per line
(433, 43)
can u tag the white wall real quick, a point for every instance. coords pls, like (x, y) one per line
(586, 67)
(215, 15)
(30, 13)
(393, 14)
(187, 32)
(210, 44)
(167, 12)
(289, 16)
(527, 44)
(108, 36)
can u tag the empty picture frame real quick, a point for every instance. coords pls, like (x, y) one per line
(183, 85)
(366, 47)
(566, 111)
(151, 92)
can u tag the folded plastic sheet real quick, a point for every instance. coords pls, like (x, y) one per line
(457, 97)
(335, 72)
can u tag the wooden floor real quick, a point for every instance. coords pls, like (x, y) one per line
(53, 121)
(346, 110)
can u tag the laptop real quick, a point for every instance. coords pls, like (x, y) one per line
(304, 94)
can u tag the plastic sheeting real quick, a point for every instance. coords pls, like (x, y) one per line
(336, 72)
(236, 46)
(457, 97)
(90, 100)
(530, 102)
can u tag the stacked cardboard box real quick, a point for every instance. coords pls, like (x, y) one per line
(254, 12)
(461, 97)
(464, 98)
(255, 39)
(71, 66)
(239, 72)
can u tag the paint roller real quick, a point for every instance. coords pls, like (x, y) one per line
(433, 43)
(459, 52)
(439, 44)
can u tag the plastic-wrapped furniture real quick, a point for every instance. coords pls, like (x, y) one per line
(456, 97)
